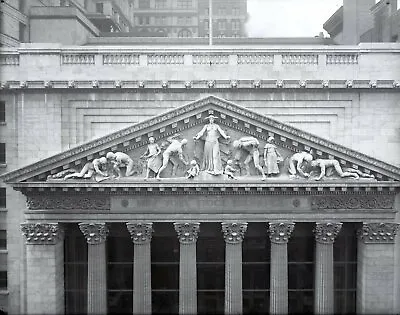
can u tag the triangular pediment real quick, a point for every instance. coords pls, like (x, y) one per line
(187, 121)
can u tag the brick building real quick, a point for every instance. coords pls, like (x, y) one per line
(209, 244)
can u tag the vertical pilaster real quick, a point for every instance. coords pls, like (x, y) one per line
(187, 234)
(96, 235)
(45, 268)
(141, 233)
(376, 268)
(325, 234)
(233, 235)
(279, 234)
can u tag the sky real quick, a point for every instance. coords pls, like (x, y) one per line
(289, 18)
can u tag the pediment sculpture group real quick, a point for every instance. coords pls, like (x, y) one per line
(156, 160)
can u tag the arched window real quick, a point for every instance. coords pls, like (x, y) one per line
(185, 33)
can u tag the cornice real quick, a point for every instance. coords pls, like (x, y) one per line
(253, 123)
(56, 85)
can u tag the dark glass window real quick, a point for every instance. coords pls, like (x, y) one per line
(99, 7)
(2, 111)
(3, 203)
(301, 248)
(256, 250)
(2, 153)
(210, 269)
(165, 269)
(3, 239)
(184, 4)
(75, 270)
(345, 269)
(3, 280)
(119, 269)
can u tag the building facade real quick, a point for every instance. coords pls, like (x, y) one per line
(209, 244)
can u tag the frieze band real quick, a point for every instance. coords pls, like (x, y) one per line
(187, 232)
(58, 202)
(378, 232)
(42, 233)
(353, 202)
(234, 232)
(95, 233)
(326, 233)
(140, 232)
(280, 233)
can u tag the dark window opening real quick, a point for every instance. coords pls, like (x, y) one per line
(2, 153)
(2, 111)
(3, 280)
(99, 7)
(3, 239)
(2, 197)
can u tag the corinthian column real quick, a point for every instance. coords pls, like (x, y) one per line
(233, 235)
(141, 237)
(376, 265)
(279, 234)
(325, 234)
(96, 235)
(45, 268)
(187, 234)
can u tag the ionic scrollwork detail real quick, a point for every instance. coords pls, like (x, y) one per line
(187, 232)
(95, 233)
(140, 232)
(378, 232)
(280, 233)
(234, 232)
(326, 232)
(42, 233)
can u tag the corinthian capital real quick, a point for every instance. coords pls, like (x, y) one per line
(187, 232)
(234, 232)
(42, 233)
(95, 233)
(280, 232)
(326, 232)
(378, 232)
(140, 232)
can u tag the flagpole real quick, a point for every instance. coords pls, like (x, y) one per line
(210, 23)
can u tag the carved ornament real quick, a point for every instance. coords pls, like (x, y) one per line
(279, 233)
(234, 232)
(352, 202)
(58, 202)
(187, 232)
(378, 232)
(326, 233)
(95, 233)
(112, 139)
(42, 233)
(140, 232)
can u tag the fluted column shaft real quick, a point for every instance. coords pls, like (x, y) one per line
(233, 235)
(141, 236)
(279, 234)
(96, 235)
(187, 234)
(45, 268)
(325, 234)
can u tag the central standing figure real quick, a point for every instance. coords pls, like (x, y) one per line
(211, 155)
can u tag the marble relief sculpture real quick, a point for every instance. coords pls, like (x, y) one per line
(230, 170)
(271, 157)
(118, 160)
(174, 149)
(250, 146)
(153, 157)
(323, 164)
(97, 166)
(194, 169)
(297, 162)
(211, 132)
